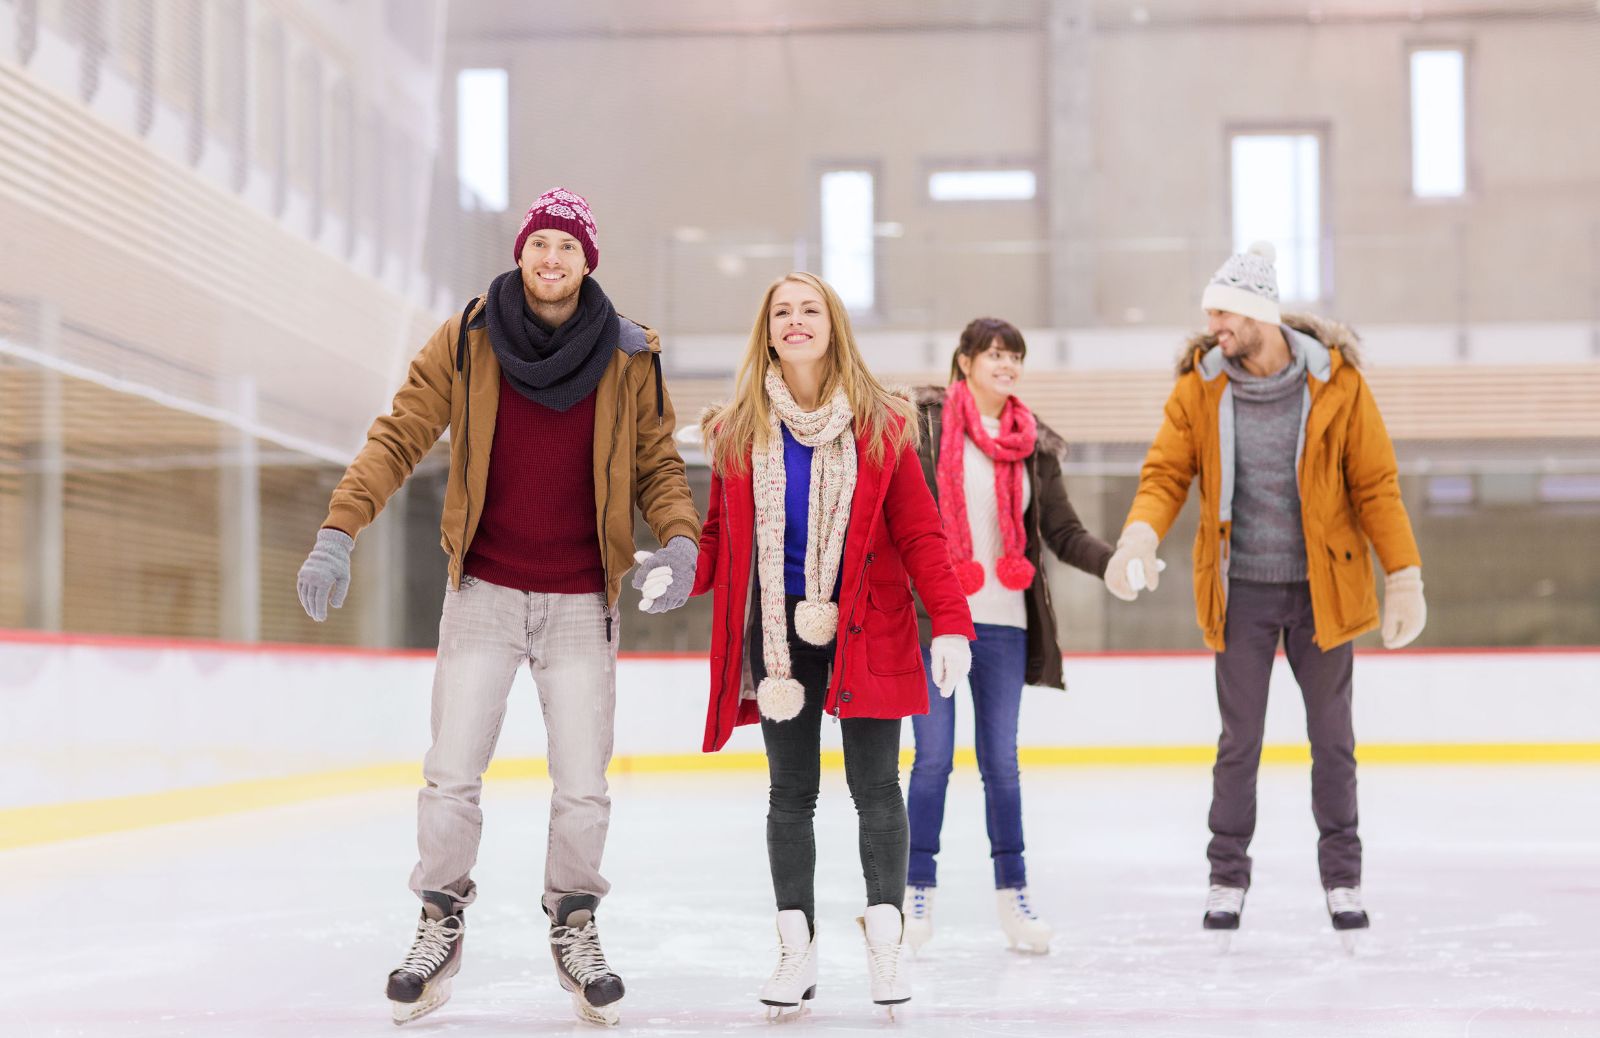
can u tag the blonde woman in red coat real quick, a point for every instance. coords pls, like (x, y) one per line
(820, 522)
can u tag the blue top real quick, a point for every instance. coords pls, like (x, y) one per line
(797, 514)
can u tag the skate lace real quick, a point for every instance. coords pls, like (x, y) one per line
(580, 952)
(1224, 899)
(435, 938)
(919, 903)
(1021, 905)
(1344, 899)
(790, 961)
(884, 960)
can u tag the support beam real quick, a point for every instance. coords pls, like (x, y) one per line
(239, 515)
(44, 483)
(1069, 69)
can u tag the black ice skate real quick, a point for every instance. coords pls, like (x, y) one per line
(422, 983)
(580, 964)
(1224, 906)
(1348, 915)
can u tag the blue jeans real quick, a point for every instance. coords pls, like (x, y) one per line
(999, 665)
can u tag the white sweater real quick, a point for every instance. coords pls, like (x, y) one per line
(994, 603)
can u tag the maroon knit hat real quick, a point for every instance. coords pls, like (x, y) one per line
(561, 210)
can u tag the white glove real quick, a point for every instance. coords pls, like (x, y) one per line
(657, 571)
(952, 658)
(1134, 566)
(655, 581)
(1404, 610)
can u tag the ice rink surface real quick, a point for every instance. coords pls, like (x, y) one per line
(1483, 883)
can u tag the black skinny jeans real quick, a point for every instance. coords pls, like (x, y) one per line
(794, 764)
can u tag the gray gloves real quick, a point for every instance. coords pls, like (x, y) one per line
(664, 578)
(325, 575)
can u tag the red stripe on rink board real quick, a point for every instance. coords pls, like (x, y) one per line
(17, 636)
(1047, 1010)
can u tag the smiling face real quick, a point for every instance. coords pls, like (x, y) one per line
(995, 373)
(797, 324)
(552, 266)
(1240, 337)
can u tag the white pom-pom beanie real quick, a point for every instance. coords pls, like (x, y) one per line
(1246, 284)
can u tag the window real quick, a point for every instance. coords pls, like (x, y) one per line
(982, 185)
(1277, 197)
(305, 168)
(481, 137)
(847, 245)
(342, 160)
(271, 127)
(1438, 123)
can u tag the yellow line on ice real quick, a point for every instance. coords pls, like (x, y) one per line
(49, 823)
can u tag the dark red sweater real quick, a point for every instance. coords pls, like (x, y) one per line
(538, 531)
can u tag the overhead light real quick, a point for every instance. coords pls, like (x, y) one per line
(889, 230)
(690, 235)
(1141, 16)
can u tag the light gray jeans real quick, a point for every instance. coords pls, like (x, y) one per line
(486, 632)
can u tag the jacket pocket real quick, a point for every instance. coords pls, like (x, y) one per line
(1354, 595)
(891, 640)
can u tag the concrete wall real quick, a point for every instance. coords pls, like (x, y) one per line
(727, 133)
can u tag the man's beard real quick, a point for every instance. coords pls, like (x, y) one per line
(568, 289)
(1244, 348)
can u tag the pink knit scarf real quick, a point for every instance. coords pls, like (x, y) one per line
(1018, 435)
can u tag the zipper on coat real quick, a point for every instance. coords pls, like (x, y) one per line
(605, 510)
(725, 549)
(465, 370)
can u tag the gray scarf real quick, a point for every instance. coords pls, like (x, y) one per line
(554, 367)
(1257, 389)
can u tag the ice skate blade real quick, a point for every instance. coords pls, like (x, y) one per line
(785, 1014)
(600, 1016)
(1030, 948)
(810, 993)
(1350, 941)
(433, 996)
(1222, 940)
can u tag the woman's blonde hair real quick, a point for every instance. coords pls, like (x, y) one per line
(731, 432)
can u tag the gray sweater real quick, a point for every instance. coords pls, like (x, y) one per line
(1268, 543)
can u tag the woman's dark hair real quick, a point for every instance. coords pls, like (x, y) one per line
(979, 335)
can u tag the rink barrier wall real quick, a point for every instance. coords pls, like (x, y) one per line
(101, 734)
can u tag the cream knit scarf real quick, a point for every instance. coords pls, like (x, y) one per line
(829, 431)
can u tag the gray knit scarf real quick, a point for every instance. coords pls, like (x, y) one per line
(555, 367)
(1258, 389)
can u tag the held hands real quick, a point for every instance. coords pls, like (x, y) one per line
(1404, 611)
(664, 578)
(951, 657)
(1134, 566)
(324, 577)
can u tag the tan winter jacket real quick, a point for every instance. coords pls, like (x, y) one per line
(1349, 487)
(635, 459)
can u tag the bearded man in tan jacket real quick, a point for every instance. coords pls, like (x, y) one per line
(1298, 483)
(559, 421)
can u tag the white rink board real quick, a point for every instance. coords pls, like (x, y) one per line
(88, 720)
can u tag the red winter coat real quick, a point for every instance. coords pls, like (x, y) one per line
(894, 532)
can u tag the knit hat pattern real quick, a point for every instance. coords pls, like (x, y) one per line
(1247, 284)
(561, 210)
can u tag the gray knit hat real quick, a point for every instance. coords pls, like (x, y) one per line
(1246, 284)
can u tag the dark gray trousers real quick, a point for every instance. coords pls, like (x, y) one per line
(1259, 615)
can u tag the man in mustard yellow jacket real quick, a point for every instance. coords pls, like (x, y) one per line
(1297, 479)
